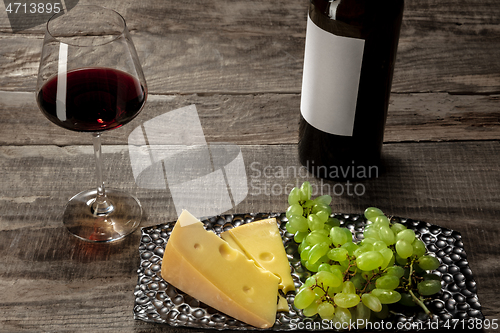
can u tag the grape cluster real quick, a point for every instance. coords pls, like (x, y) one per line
(349, 280)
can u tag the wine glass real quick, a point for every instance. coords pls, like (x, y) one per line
(90, 80)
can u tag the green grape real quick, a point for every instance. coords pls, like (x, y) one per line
(371, 232)
(323, 199)
(348, 234)
(370, 260)
(290, 228)
(310, 281)
(407, 300)
(298, 222)
(305, 191)
(304, 298)
(317, 236)
(428, 263)
(359, 281)
(418, 270)
(338, 236)
(345, 300)
(401, 261)
(418, 248)
(371, 302)
(388, 256)
(304, 255)
(318, 251)
(368, 240)
(379, 245)
(407, 235)
(342, 315)
(336, 270)
(325, 259)
(294, 196)
(294, 209)
(319, 206)
(300, 236)
(323, 216)
(382, 220)
(363, 248)
(332, 221)
(389, 282)
(326, 310)
(348, 287)
(362, 314)
(397, 228)
(302, 246)
(328, 279)
(403, 248)
(311, 310)
(429, 287)
(312, 267)
(350, 247)
(386, 235)
(314, 222)
(386, 296)
(344, 264)
(332, 291)
(372, 212)
(319, 293)
(307, 204)
(392, 261)
(325, 267)
(338, 254)
(396, 271)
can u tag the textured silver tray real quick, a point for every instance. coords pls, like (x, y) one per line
(158, 302)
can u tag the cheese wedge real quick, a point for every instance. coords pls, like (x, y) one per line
(261, 241)
(203, 265)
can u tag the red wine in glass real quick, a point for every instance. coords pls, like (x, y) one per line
(96, 99)
(90, 80)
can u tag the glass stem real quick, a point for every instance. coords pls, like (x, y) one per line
(101, 204)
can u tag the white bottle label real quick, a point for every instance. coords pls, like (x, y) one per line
(332, 67)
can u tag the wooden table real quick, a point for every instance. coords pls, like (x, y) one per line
(240, 63)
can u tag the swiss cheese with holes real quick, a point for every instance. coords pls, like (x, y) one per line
(203, 265)
(261, 241)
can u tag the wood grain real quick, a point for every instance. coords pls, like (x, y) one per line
(266, 119)
(241, 47)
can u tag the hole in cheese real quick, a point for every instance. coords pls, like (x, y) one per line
(266, 256)
(227, 252)
(197, 246)
(248, 290)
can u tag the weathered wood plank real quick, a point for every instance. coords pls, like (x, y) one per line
(420, 178)
(454, 185)
(266, 119)
(258, 47)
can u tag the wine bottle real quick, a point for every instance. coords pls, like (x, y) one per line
(350, 51)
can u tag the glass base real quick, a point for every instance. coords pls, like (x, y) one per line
(122, 216)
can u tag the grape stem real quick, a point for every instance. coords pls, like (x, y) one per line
(420, 303)
(369, 281)
(347, 274)
(325, 297)
(417, 300)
